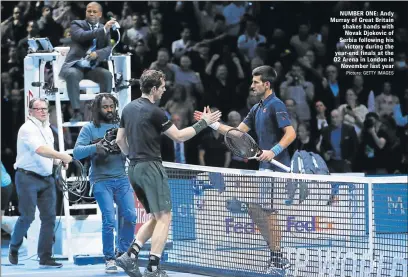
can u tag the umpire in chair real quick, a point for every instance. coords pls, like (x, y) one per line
(89, 49)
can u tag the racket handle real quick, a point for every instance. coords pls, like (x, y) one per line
(280, 165)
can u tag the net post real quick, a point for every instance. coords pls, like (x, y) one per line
(370, 219)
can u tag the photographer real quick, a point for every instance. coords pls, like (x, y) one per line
(107, 177)
(297, 88)
(377, 144)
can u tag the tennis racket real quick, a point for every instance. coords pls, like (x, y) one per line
(243, 145)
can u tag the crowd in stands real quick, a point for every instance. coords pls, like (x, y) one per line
(207, 51)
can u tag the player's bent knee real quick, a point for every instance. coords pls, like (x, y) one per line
(163, 216)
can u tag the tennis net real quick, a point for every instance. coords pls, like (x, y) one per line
(224, 223)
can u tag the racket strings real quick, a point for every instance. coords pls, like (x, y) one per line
(241, 144)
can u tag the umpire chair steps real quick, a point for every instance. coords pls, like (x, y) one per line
(34, 64)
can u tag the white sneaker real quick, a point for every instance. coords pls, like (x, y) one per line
(110, 266)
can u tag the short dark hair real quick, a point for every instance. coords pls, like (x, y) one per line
(32, 101)
(46, 7)
(267, 73)
(291, 99)
(96, 3)
(372, 115)
(149, 79)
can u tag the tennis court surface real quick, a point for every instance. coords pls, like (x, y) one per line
(224, 225)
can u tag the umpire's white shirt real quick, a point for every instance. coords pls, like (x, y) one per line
(31, 136)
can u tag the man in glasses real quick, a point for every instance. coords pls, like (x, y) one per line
(34, 182)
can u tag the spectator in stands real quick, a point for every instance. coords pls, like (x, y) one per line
(200, 57)
(376, 149)
(175, 152)
(156, 39)
(353, 112)
(13, 29)
(304, 140)
(13, 64)
(222, 88)
(251, 100)
(63, 14)
(218, 37)
(312, 72)
(183, 45)
(48, 27)
(162, 64)
(401, 111)
(234, 119)
(233, 14)
(22, 45)
(141, 59)
(6, 85)
(15, 114)
(205, 17)
(383, 97)
(290, 104)
(137, 32)
(339, 144)
(66, 40)
(91, 47)
(212, 149)
(303, 41)
(182, 105)
(361, 92)
(297, 88)
(332, 94)
(126, 20)
(320, 121)
(248, 41)
(186, 77)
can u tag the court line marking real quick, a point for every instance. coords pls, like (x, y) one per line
(46, 272)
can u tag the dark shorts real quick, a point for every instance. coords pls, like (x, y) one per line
(150, 183)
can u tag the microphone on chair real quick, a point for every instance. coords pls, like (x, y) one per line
(116, 25)
(38, 84)
(45, 86)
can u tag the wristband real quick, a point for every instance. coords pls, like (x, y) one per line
(277, 149)
(215, 125)
(199, 126)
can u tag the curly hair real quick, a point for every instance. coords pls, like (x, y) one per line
(96, 108)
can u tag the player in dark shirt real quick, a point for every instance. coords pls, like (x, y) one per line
(141, 125)
(270, 120)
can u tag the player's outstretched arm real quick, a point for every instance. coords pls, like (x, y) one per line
(221, 128)
(122, 141)
(187, 133)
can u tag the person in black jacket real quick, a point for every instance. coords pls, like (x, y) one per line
(339, 144)
(90, 47)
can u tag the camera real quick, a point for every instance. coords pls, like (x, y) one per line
(369, 123)
(295, 78)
